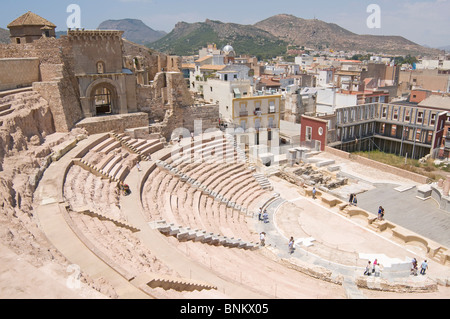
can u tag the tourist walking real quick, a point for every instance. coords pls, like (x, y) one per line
(350, 200)
(314, 193)
(424, 267)
(368, 270)
(262, 238)
(377, 269)
(138, 165)
(265, 217)
(414, 267)
(380, 213)
(355, 201)
(375, 262)
(291, 245)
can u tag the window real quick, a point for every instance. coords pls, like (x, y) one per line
(407, 115)
(18, 40)
(433, 119)
(429, 137)
(420, 117)
(396, 114)
(394, 130)
(384, 112)
(320, 131)
(418, 135)
(271, 107)
(308, 133)
(271, 122)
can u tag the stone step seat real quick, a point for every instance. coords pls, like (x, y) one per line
(112, 244)
(220, 148)
(190, 158)
(135, 143)
(5, 107)
(102, 145)
(113, 162)
(150, 193)
(193, 149)
(91, 168)
(216, 181)
(112, 147)
(198, 235)
(6, 112)
(231, 224)
(78, 225)
(124, 138)
(231, 185)
(196, 145)
(148, 145)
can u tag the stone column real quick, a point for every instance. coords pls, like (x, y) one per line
(292, 154)
(447, 186)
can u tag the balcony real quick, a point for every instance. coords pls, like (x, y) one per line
(243, 113)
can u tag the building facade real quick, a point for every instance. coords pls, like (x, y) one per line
(404, 130)
(30, 27)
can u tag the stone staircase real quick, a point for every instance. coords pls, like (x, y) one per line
(139, 146)
(263, 181)
(109, 172)
(169, 282)
(198, 235)
(242, 155)
(106, 218)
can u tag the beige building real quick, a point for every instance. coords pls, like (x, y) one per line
(258, 116)
(106, 87)
(30, 27)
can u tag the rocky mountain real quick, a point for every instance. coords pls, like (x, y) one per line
(188, 38)
(4, 36)
(134, 30)
(271, 37)
(321, 35)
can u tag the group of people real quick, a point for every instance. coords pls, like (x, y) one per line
(124, 188)
(263, 215)
(414, 267)
(373, 268)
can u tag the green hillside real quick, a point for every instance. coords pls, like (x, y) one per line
(187, 39)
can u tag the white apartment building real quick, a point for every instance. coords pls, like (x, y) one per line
(253, 115)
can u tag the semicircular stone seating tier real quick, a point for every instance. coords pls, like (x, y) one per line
(94, 214)
(169, 198)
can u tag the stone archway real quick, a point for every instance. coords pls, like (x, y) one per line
(103, 97)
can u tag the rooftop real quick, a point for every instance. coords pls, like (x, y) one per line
(30, 19)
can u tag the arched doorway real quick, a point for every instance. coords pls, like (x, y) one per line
(103, 98)
(103, 101)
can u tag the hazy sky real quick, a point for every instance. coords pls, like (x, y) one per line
(425, 22)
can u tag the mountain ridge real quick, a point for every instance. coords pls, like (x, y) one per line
(134, 30)
(321, 35)
(282, 30)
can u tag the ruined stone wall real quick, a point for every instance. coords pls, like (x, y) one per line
(18, 72)
(117, 123)
(58, 83)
